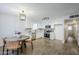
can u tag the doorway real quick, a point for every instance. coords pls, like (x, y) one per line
(70, 31)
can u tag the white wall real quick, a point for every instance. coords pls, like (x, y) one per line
(10, 23)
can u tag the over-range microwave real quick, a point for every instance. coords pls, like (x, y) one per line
(48, 26)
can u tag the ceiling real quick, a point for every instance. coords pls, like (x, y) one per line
(36, 11)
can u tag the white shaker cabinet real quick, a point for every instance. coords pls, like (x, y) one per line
(39, 33)
(52, 35)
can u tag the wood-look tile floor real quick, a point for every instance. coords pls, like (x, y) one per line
(50, 47)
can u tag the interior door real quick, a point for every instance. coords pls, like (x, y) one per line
(59, 32)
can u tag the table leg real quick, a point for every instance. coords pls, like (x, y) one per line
(17, 51)
(12, 51)
(7, 51)
(3, 50)
(25, 44)
(21, 49)
(32, 45)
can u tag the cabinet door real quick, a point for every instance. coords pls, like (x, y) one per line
(39, 33)
(33, 35)
(52, 35)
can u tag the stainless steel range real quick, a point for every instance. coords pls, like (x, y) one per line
(47, 31)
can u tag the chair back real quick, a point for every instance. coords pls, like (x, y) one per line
(12, 44)
(1, 42)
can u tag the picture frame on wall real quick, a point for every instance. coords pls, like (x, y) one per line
(22, 17)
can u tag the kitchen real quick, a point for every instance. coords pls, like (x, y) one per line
(42, 22)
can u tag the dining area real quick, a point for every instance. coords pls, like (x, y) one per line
(15, 45)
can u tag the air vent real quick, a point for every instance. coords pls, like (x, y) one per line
(73, 16)
(45, 18)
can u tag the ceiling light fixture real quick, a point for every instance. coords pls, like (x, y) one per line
(22, 16)
(45, 18)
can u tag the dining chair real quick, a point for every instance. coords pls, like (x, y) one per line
(30, 41)
(1, 44)
(27, 40)
(12, 45)
(24, 40)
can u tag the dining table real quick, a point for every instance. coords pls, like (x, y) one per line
(22, 40)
